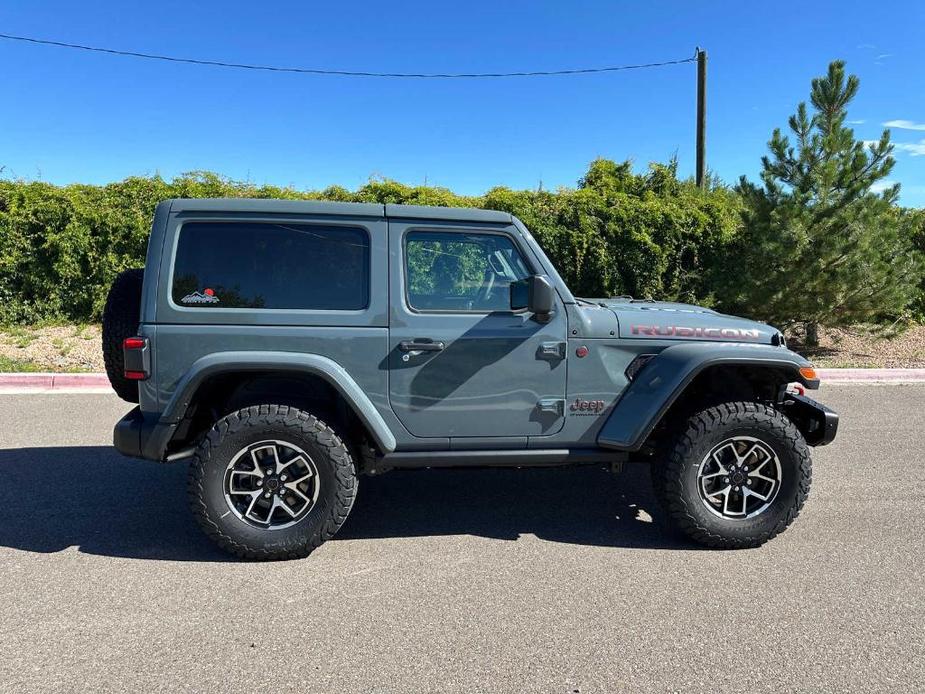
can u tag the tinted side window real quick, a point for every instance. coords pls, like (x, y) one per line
(263, 265)
(461, 272)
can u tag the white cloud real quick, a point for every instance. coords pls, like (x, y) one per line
(884, 55)
(915, 149)
(881, 186)
(860, 121)
(904, 124)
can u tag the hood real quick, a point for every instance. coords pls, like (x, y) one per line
(665, 320)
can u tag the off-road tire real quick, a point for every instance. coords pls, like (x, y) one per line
(336, 471)
(675, 474)
(121, 316)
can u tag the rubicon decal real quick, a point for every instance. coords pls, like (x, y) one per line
(688, 332)
(206, 296)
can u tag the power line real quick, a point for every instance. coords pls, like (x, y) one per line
(346, 73)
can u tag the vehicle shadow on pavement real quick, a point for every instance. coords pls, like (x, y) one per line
(92, 498)
(585, 505)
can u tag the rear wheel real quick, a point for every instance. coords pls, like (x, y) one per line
(735, 476)
(271, 482)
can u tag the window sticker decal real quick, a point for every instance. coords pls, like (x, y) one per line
(206, 296)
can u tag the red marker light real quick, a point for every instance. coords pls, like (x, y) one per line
(133, 343)
(582, 352)
(209, 292)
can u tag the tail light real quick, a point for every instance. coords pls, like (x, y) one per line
(136, 358)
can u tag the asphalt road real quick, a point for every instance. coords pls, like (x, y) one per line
(521, 581)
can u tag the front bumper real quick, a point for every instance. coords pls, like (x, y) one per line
(138, 436)
(816, 422)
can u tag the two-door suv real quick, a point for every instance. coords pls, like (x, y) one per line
(287, 348)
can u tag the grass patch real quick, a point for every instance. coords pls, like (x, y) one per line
(8, 365)
(21, 336)
(63, 347)
(81, 331)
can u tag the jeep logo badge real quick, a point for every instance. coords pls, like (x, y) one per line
(587, 406)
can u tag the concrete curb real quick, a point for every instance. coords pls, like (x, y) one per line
(871, 375)
(12, 383)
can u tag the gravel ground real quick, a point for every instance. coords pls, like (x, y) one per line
(855, 349)
(558, 581)
(53, 348)
(77, 348)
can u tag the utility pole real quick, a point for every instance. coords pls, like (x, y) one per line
(701, 118)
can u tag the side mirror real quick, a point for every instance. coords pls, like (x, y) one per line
(535, 294)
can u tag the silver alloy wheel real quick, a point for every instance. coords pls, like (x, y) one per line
(271, 484)
(739, 478)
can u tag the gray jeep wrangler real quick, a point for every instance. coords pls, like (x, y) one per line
(286, 348)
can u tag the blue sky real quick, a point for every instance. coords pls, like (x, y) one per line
(69, 116)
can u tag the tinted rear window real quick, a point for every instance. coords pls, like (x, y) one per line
(265, 266)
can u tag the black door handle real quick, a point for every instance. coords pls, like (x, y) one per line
(420, 345)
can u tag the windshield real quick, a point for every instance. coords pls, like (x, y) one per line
(546, 264)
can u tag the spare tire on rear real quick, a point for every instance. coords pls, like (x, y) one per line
(120, 320)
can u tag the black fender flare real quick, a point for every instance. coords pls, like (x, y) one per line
(663, 379)
(258, 361)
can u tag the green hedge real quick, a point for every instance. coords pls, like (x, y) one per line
(616, 233)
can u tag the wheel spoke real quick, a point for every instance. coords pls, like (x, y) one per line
(304, 477)
(277, 503)
(755, 447)
(758, 476)
(258, 466)
(291, 486)
(716, 453)
(233, 481)
(298, 458)
(724, 490)
(255, 497)
(757, 495)
(283, 505)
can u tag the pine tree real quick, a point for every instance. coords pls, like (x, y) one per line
(820, 247)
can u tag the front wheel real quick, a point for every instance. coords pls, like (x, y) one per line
(735, 475)
(271, 482)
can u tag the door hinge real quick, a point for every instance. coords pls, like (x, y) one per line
(554, 406)
(551, 350)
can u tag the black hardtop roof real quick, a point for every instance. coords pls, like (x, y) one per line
(351, 209)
